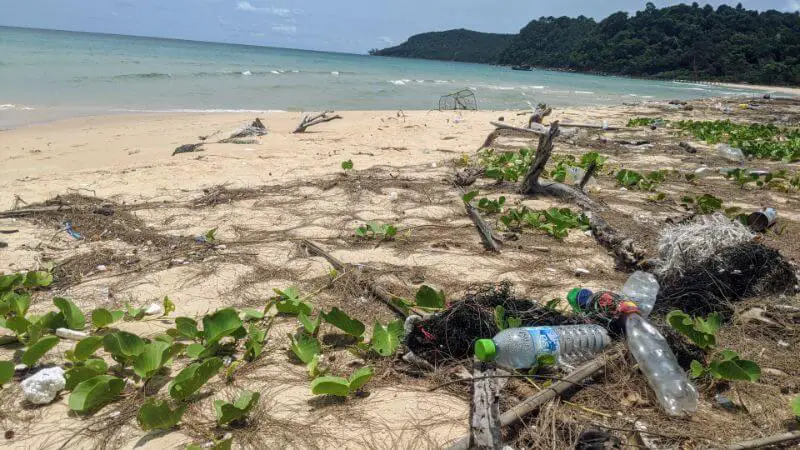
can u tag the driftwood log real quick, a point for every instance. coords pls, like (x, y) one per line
(623, 247)
(485, 413)
(538, 115)
(310, 121)
(570, 383)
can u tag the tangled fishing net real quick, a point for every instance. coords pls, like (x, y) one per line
(450, 335)
(708, 264)
(682, 248)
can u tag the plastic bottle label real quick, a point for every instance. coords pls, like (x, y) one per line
(545, 340)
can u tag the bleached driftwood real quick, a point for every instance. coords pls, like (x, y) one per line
(310, 121)
(485, 413)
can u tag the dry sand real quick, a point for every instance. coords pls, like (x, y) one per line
(298, 190)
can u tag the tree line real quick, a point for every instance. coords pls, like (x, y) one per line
(675, 42)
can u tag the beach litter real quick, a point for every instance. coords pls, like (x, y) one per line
(71, 231)
(41, 388)
(760, 221)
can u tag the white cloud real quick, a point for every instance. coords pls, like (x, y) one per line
(386, 39)
(245, 5)
(793, 5)
(285, 29)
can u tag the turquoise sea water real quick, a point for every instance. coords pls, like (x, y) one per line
(51, 74)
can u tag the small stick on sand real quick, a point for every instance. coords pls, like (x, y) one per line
(490, 240)
(378, 291)
(766, 441)
(310, 121)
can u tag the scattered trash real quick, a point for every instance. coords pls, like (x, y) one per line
(154, 309)
(760, 221)
(71, 231)
(581, 271)
(676, 394)
(464, 99)
(691, 244)
(522, 348)
(393, 196)
(101, 268)
(730, 153)
(450, 334)
(5, 230)
(724, 402)
(596, 439)
(42, 387)
(72, 335)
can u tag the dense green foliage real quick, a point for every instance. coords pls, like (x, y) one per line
(678, 42)
(453, 45)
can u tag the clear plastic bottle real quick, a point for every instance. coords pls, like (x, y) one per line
(673, 389)
(520, 348)
(642, 288)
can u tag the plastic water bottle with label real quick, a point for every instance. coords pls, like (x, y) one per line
(521, 348)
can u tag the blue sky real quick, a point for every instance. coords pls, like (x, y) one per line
(332, 25)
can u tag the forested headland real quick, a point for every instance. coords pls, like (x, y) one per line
(677, 42)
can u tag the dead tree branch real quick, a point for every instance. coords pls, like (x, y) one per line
(588, 175)
(538, 116)
(310, 121)
(540, 160)
(536, 129)
(766, 441)
(376, 290)
(490, 240)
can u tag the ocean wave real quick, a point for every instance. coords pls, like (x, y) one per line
(583, 92)
(399, 82)
(146, 76)
(499, 88)
(192, 110)
(441, 81)
(247, 73)
(9, 107)
(335, 73)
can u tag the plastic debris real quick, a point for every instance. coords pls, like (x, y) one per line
(71, 231)
(154, 309)
(730, 153)
(42, 387)
(760, 221)
(72, 335)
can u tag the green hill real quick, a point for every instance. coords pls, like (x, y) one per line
(453, 45)
(682, 41)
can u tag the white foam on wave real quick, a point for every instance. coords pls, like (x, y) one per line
(499, 88)
(10, 106)
(335, 72)
(247, 73)
(440, 81)
(190, 110)
(400, 82)
(275, 72)
(584, 92)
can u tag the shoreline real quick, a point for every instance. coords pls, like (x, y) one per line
(45, 118)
